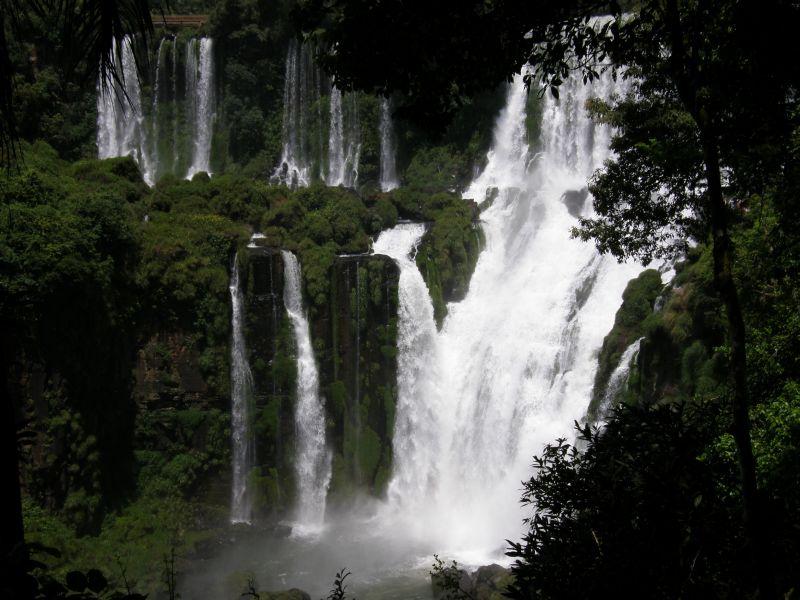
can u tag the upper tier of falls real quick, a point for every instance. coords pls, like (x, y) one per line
(316, 148)
(389, 180)
(312, 458)
(172, 132)
(241, 405)
(514, 363)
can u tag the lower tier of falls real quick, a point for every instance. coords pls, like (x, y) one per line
(171, 130)
(312, 460)
(322, 372)
(514, 363)
(241, 405)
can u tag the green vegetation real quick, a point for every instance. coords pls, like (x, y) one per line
(449, 251)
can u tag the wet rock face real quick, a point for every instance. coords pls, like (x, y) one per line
(356, 345)
(575, 201)
(354, 337)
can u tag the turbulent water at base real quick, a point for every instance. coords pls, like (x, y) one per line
(200, 95)
(344, 140)
(388, 179)
(123, 128)
(120, 120)
(514, 363)
(619, 377)
(312, 459)
(241, 405)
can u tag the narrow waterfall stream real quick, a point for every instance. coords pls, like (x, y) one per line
(301, 90)
(241, 405)
(619, 377)
(157, 99)
(344, 140)
(416, 355)
(312, 458)
(200, 89)
(388, 177)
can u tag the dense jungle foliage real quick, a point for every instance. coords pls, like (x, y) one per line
(128, 461)
(100, 269)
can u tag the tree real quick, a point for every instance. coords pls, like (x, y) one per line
(695, 144)
(634, 513)
(78, 35)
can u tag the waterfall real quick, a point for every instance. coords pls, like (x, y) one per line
(312, 459)
(200, 83)
(514, 363)
(336, 140)
(344, 139)
(120, 120)
(156, 101)
(241, 405)
(174, 104)
(388, 180)
(301, 93)
(123, 129)
(619, 377)
(416, 447)
(190, 82)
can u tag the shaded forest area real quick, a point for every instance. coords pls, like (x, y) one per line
(689, 488)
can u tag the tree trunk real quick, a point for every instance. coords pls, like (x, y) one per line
(12, 536)
(755, 532)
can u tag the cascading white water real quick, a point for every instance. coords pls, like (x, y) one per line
(388, 177)
(124, 130)
(514, 363)
(336, 140)
(157, 91)
(241, 405)
(312, 458)
(344, 139)
(301, 91)
(190, 85)
(200, 78)
(174, 103)
(120, 120)
(619, 377)
(416, 357)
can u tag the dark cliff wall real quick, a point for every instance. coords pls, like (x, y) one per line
(354, 339)
(356, 346)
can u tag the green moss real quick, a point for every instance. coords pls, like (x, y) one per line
(369, 452)
(449, 250)
(629, 324)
